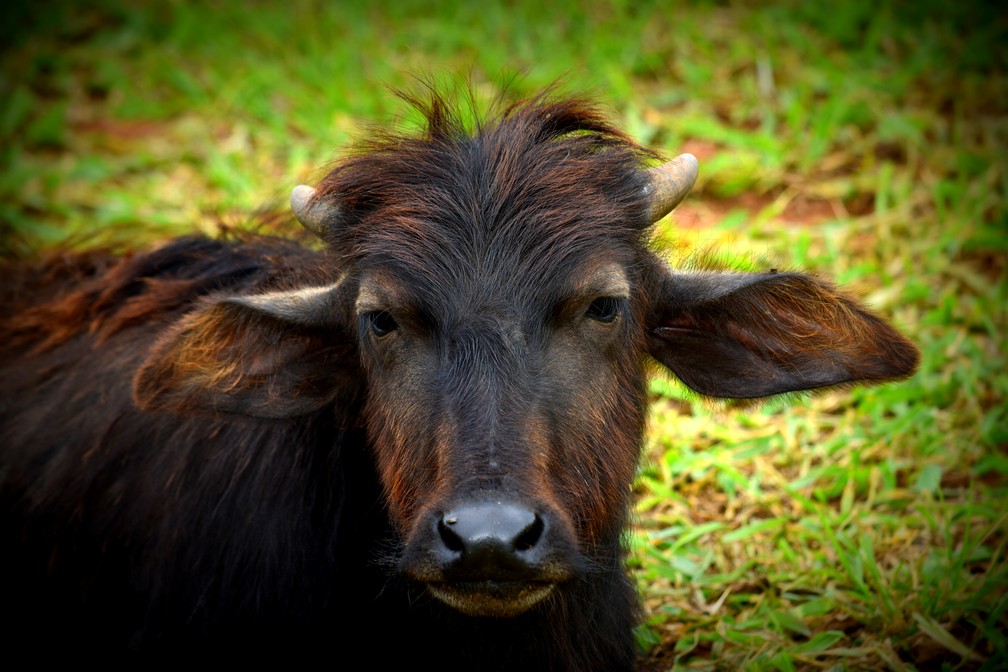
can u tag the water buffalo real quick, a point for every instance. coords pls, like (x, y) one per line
(413, 447)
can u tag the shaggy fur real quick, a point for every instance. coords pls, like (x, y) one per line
(245, 448)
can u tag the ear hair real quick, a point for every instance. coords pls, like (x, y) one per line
(275, 355)
(738, 335)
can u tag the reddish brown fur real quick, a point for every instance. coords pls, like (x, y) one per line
(430, 429)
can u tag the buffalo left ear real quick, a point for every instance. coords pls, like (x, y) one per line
(737, 335)
(274, 355)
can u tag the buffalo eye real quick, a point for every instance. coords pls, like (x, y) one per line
(604, 309)
(380, 322)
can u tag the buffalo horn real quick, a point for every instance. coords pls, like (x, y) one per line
(317, 217)
(669, 184)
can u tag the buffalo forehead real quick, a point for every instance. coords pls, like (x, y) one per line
(444, 283)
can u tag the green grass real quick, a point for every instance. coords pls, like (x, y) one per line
(859, 529)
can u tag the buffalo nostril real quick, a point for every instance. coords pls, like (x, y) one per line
(451, 540)
(530, 535)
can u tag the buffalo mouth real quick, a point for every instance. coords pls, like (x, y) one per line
(491, 598)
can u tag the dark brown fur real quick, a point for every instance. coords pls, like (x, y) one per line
(219, 447)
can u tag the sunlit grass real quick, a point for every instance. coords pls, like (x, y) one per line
(865, 142)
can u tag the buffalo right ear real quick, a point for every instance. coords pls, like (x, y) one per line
(274, 355)
(744, 335)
